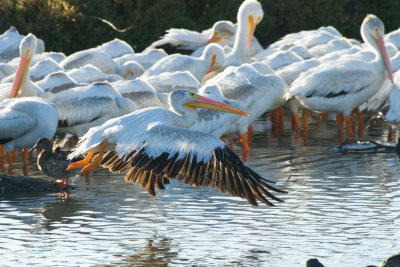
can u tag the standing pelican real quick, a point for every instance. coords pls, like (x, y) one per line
(250, 13)
(24, 120)
(154, 144)
(343, 85)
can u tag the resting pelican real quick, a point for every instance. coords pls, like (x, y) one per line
(24, 120)
(9, 44)
(250, 13)
(186, 41)
(146, 59)
(79, 108)
(212, 59)
(341, 86)
(154, 144)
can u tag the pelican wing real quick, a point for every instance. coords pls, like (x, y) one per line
(332, 80)
(197, 158)
(79, 111)
(14, 123)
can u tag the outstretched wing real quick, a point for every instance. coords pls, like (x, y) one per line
(196, 158)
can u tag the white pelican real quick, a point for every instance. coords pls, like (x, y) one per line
(58, 81)
(250, 13)
(393, 114)
(99, 58)
(154, 144)
(38, 71)
(83, 107)
(9, 44)
(166, 82)
(256, 92)
(91, 74)
(115, 48)
(146, 59)
(211, 60)
(79, 108)
(186, 41)
(341, 86)
(24, 120)
(141, 93)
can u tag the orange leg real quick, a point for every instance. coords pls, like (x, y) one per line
(360, 123)
(339, 122)
(304, 120)
(25, 155)
(323, 116)
(243, 140)
(280, 118)
(96, 163)
(222, 138)
(295, 122)
(2, 157)
(81, 163)
(349, 126)
(230, 138)
(250, 134)
(14, 156)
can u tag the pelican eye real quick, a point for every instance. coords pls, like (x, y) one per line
(191, 94)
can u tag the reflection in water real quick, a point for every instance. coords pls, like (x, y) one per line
(342, 208)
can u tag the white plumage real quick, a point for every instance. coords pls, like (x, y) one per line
(155, 146)
(24, 120)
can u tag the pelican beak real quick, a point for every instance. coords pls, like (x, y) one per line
(384, 54)
(252, 28)
(207, 103)
(212, 66)
(213, 38)
(21, 74)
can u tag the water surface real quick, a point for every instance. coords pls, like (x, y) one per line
(342, 207)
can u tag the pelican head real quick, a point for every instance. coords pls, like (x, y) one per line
(222, 30)
(372, 32)
(189, 99)
(250, 11)
(27, 48)
(214, 54)
(131, 70)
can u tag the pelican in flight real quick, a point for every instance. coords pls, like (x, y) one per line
(342, 85)
(154, 145)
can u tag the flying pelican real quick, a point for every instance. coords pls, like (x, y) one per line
(154, 144)
(24, 120)
(341, 86)
(212, 59)
(250, 13)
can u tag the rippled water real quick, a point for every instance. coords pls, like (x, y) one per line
(342, 208)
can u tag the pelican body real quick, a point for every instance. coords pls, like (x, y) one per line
(154, 145)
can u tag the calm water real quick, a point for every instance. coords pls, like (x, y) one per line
(343, 208)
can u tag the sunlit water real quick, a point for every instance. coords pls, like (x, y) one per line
(342, 208)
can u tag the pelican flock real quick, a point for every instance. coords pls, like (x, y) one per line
(162, 113)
